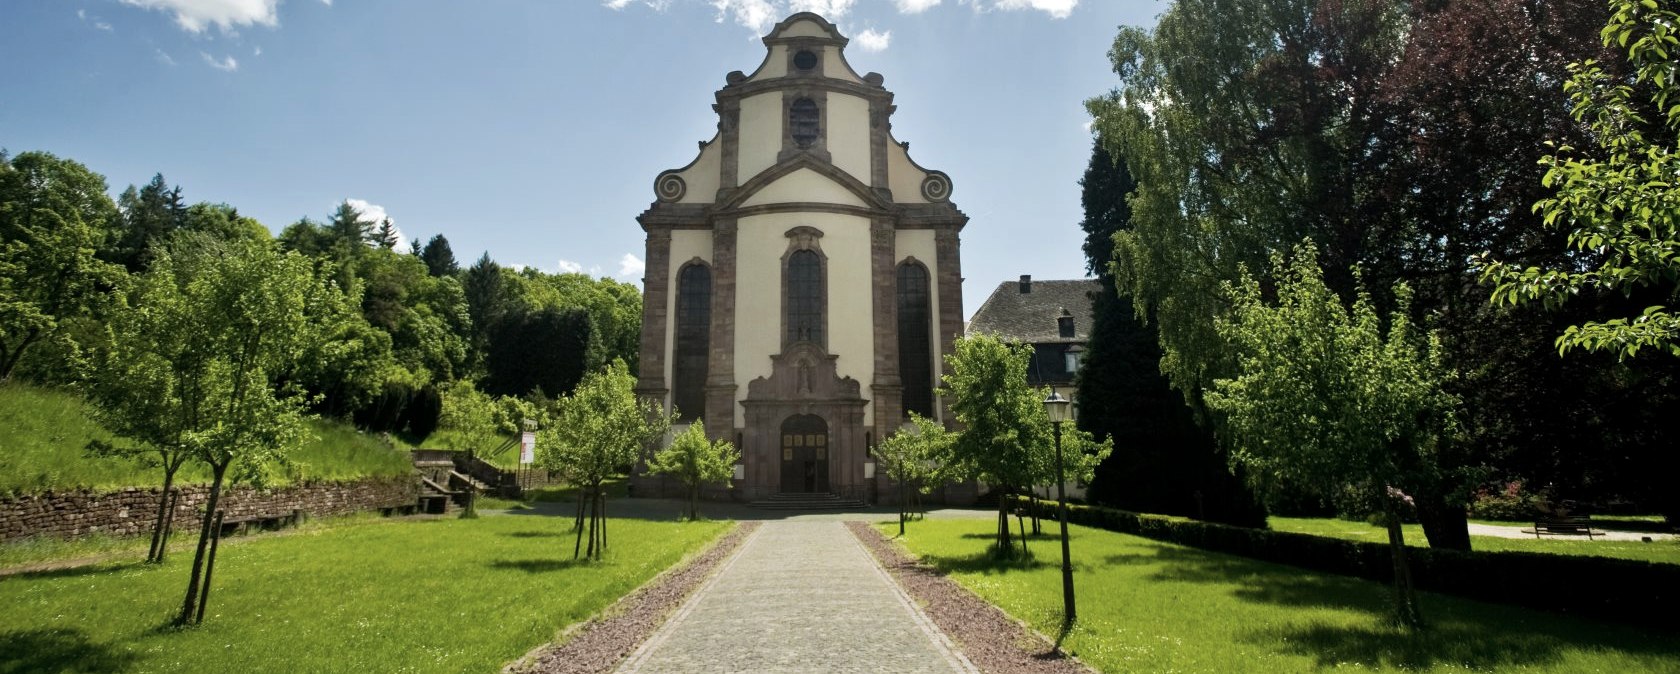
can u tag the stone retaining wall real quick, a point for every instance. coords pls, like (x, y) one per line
(132, 511)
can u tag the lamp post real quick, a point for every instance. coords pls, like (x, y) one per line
(1058, 409)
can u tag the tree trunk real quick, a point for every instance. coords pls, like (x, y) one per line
(1034, 506)
(1405, 596)
(1445, 524)
(1005, 547)
(155, 555)
(601, 493)
(578, 524)
(190, 605)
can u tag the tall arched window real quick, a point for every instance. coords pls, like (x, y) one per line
(804, 297)
(694, 327)
(915, 349)
(803, 121)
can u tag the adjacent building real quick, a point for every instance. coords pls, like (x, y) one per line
(1053, 316)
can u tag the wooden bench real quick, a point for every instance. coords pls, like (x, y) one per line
(1574, 525)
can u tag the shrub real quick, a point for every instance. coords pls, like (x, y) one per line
(1506, 502)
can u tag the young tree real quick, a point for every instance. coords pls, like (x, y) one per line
(909, 457)
(386, 235)
(1004, 427)
(471, 414)
(207, 332)
(150, 215)
(54, 217)
(1617, 199)
(600, 430)
(1324, 398)
(695, 461)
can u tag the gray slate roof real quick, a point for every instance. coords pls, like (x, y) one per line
(1031, 317)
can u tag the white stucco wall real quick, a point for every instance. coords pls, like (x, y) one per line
(686, 244)
(703, 177)
(848, 135)
(761, 134)
(775, 65)
(761, 243)
(803, 185)
(903, 178)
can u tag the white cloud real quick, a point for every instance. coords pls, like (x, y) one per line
(517, 267)
(758, 15)
(615, 4)
(97, 22)
(872, 40)
(103, 26)
(227, 64)
(829, 9)
(376, 214)
(570, 267)
(915, 6)
(1057, 9)
(196, 15)
(631, 266)
(256, 51)
(164, 58)
(81, 14)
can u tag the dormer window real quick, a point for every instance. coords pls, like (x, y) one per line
(802, 122)
(1064, 325)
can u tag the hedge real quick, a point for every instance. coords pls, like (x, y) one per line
(1617, 589)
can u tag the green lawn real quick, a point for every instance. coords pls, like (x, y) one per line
(1148, 606)
(1666, 552)
(43, 432)
(446, 595)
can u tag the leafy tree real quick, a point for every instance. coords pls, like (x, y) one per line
(909, 457)
(439, 258)
(696, 462)
(1616, 199)
(54, 217)
(1164, 461)
(599, 431)
(1322, 397)
(206, 334)
(471, 414)
(221, 221)
(1004, 427)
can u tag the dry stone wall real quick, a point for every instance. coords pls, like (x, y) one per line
(132, 511)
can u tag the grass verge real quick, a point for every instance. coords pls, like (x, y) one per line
(385, 596)
(1145, 605)
(46, 431)
(1664, 551)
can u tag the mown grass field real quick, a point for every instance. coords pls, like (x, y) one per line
(43, 433)
(445, 595)
(1661, 551)
(1148, 606)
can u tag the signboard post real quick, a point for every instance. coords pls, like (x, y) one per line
(527, 451)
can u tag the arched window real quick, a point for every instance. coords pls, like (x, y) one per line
(915, 348)
(694, 327)
(804, 297)
(802, 122)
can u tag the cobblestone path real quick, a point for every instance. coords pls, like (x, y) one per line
(799, 596)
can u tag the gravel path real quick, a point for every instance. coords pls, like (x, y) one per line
(600, 644)
(991, 639)
(799, 596)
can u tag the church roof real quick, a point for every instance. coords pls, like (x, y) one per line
(1027, 310)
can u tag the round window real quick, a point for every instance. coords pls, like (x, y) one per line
(805, 60)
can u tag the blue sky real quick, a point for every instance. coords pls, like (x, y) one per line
(533, 129)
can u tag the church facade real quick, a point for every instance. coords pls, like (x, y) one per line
(803, 278)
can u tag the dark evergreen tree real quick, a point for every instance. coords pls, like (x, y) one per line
(386, 235)
(542, 351)
(150, 215)
(439, 258)
(485, 300)
(1163, 460)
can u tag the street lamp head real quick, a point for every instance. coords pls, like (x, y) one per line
(1057, 407)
